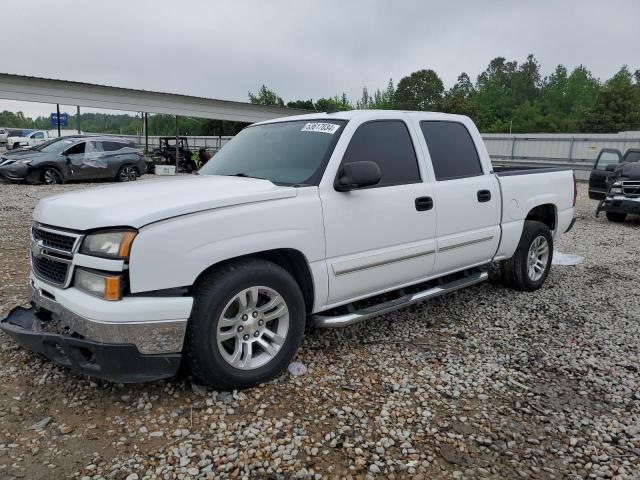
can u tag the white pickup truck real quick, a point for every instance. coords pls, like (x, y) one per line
(27, 138)
(323, 219)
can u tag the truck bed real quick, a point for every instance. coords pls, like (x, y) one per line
(502, 171)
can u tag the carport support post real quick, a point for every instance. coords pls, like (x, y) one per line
(58, 118)
(78, 119)
(176, 143)
(146, 133)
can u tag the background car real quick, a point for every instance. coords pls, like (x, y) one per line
(74, 158)
(27, 138)
(4, 133)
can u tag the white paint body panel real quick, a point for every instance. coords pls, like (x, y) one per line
(357, 244)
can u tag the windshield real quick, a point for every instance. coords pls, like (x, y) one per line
(286, 152)
(54, 146)
(19, 133)
(632, 156)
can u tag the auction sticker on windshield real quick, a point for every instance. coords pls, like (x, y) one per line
(320, 127)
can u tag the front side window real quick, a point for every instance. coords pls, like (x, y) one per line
(286, 153)
(453, 153)
(38, 135)
(632, 156)
(607, 158)
(387, 143)
(77, 149)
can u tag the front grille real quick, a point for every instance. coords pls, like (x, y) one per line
(50, 239)
(631, 188)
(49, 270)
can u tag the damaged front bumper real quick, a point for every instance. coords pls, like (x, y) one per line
(117, 351)
(619, 204)
(120, 363)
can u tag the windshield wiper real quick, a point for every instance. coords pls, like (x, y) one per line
(244, 175)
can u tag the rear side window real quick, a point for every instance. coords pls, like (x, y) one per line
(607, 158)
(113, 146)
(387, 143)
(453, 153)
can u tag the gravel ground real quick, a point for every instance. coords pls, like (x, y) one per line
(487, 382)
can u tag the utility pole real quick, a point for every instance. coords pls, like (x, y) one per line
(58, 118)
(177, 144)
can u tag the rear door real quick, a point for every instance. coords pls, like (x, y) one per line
(467, 198)
(599, 174)
(380, 237)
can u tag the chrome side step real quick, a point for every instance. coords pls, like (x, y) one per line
(325, 321)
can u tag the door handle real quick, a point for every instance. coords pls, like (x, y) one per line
(484, 195)
(424, 203)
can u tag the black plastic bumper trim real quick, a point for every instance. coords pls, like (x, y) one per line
(619, 205)
(120, 363)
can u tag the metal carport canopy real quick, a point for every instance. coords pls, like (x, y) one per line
(63, 92)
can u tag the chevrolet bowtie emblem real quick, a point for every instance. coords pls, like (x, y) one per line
(36, 249)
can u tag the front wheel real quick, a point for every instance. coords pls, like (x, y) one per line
(247, 323)
(617, 217)
(50, 176)
(529, 267)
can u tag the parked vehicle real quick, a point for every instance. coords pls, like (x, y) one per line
(327, 219)
(621, 184)
(27, 138)
(4, 133)
(606, 162)
(165, 154)
(74, 157)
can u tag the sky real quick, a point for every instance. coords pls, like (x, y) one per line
(303, 49)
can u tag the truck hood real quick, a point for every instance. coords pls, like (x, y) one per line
(140, 203)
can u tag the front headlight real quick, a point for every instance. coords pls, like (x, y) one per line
(109, 244)
(105, 286)
(616, 188)
(26, 162)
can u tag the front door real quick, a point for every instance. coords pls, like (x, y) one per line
(379, 238)
(599, 174)
(467, 199)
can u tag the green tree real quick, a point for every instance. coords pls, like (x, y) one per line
(458, 98)
(266, 97)
(422, 90)
(339, 103)
(617, 106)
(302, 104)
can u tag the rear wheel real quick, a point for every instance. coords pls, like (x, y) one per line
(127, 173)
(246, 325)
(50, 176)
(529, 267)
(617, 217)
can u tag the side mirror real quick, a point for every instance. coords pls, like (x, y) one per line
(611, 167)
(354, 175)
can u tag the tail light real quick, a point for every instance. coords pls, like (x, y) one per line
(575, 189)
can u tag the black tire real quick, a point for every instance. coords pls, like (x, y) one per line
(50, 176)
(211, 295)
(16, 146)
(617, 217)
(189, 166)
(127, 173)
(514, 270)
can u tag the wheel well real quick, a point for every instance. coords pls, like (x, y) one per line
(545, 214)
(293, 261)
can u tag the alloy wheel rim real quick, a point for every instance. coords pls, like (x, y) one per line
(537, 258)
(127, 174)
(50, 177)
(252, 328)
